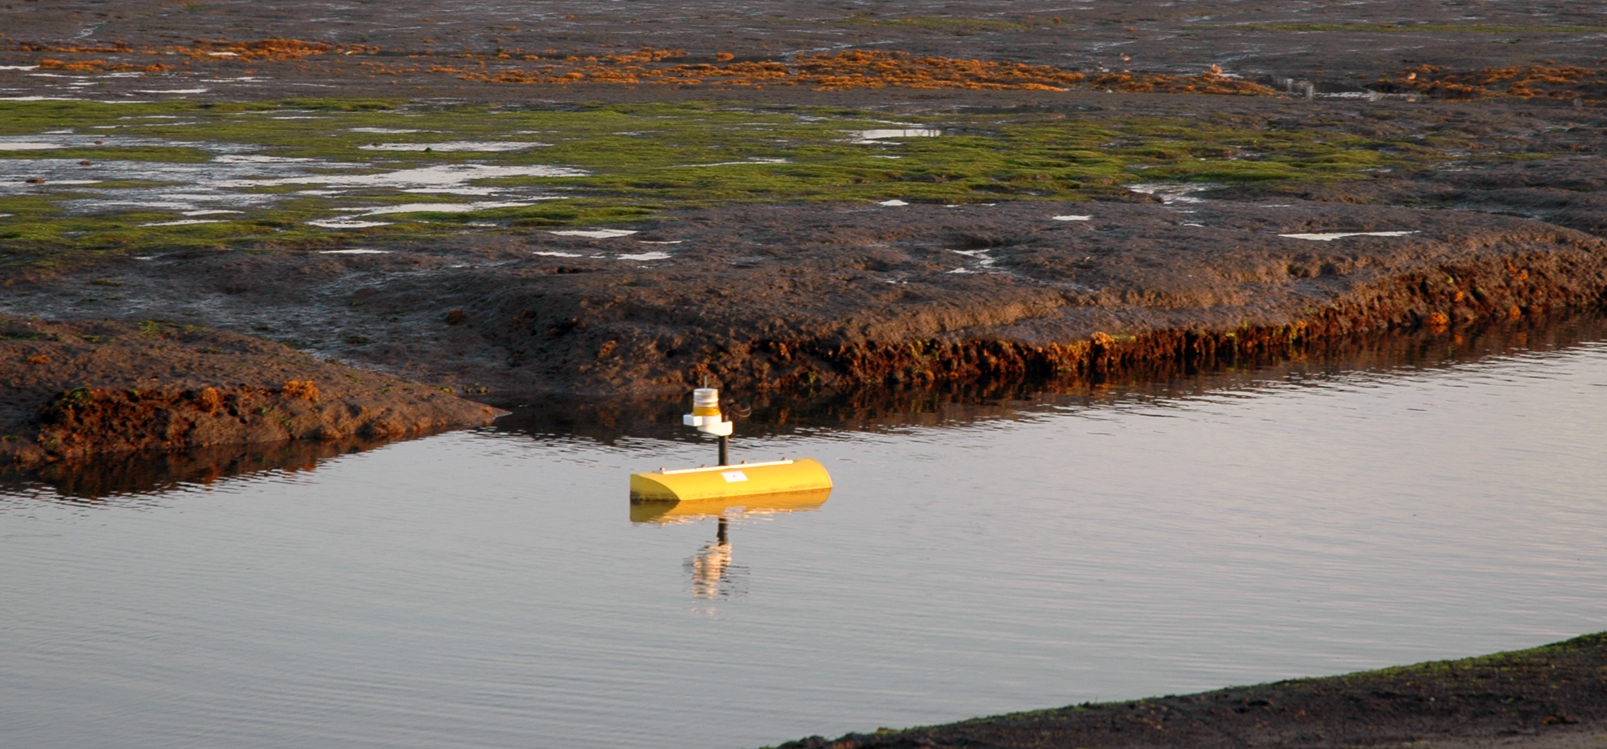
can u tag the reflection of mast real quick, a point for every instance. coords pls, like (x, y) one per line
(709, 565)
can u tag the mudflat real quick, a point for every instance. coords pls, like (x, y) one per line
(304, 228)
(788, 198)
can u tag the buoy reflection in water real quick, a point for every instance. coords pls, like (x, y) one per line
(713, 575)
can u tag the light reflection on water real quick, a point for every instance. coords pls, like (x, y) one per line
(491, 589)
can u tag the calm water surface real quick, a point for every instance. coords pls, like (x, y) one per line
(488, 589)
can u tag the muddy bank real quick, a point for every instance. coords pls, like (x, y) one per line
(1551, 696)
(1318, 361)
(92, 388)
(801, 301)
(813, 299)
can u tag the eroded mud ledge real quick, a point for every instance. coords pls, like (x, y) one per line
(883, 407)
(96, 388)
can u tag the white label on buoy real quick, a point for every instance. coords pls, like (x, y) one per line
(732, 477)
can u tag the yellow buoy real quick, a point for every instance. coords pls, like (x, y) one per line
(723, 482)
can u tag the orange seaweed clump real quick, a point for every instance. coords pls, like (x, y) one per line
(1211, 82)
(645, 54)
(304, 389)
(846, 70)
(865, 69)
(115, 48)
(262, 49)
(270, 49)
(605, 75)
(772, 71)
(1552, 82)
(854, 69)
(383, 69)
(99, 66)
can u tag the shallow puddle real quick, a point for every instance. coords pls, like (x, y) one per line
(453, 146)
(646, 256)
(25, 145)
(593, 233)
(435, 208)
(496, 587)
(183, 222)
(881, 134)
(443, 178)
(749, 162)
(1174, 192)
(235, 178)
(1331, 236)
(336, 223)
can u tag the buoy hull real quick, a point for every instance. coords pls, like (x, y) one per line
(651, 511)
(724, 482)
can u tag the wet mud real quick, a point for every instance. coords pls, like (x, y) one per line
(1507, 699)
(73, 391)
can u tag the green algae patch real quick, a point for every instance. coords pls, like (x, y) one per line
(169, 154)
(29, 117)
(315, 172)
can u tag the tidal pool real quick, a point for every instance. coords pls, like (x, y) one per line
(493, 588)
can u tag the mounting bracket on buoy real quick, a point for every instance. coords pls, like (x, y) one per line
(706, 418)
